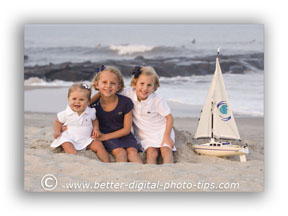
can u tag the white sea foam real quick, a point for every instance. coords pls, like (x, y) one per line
(37, 82)
(130, 49)
(245, 92)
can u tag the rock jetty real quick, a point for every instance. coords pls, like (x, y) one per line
(167, 67)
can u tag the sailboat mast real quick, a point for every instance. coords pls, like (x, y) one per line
(212, 106)
(212, 122)
(218, 52)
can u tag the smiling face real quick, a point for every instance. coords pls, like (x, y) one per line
(108, 84)
(144, 86)
(78, 100)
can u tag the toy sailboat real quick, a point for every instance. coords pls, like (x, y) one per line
(217, 122)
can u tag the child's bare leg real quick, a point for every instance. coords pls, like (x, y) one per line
(152, 154)
(100, 150)
(120, 154)
(133, 155)
(167, 155)
(69, 148)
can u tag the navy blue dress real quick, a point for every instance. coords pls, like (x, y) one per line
(113, 121)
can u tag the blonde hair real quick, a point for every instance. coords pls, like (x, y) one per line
(149, 71)
(113, 70)
(80, 86)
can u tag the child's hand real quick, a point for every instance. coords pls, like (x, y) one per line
(103, 137)
(168, 141)
(56, 134)
(96, 133)
(63, 128)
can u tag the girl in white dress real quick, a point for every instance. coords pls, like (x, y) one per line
(152, 118)
(81, 123)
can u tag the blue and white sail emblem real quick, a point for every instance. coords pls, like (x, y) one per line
(222, 106)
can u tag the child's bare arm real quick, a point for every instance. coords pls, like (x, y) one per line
(167, 134)
(96, 132)
(123, 131)
(57, 128)
(94, 98)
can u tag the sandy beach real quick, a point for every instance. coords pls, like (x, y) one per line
(189, 173)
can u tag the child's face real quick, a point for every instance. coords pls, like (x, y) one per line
(108, 84)
(144, 86)
(78, 101)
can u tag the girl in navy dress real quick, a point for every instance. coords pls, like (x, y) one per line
(114, 113)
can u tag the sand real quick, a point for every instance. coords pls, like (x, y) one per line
(189, 173)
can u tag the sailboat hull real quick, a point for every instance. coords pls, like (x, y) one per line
(219, 151)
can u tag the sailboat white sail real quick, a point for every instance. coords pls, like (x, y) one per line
(217, 121)
(217, 102)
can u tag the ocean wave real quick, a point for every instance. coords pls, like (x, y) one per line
(186, 79)
(98, 49)
(114, 50)
(188, 105)
(248, 113)
(35, 81)
(179, 102)
(130, 49)
(195, 109)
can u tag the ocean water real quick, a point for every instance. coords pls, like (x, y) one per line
(185, 95)
(59, 43)
(44, 44)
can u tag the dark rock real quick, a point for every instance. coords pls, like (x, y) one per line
(256, 63)
(167, 67)
(139, 58)
(236, 69)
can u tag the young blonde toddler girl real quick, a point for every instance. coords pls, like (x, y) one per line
(81, 124)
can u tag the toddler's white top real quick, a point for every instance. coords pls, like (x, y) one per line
(149, 121)
(79, 128)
